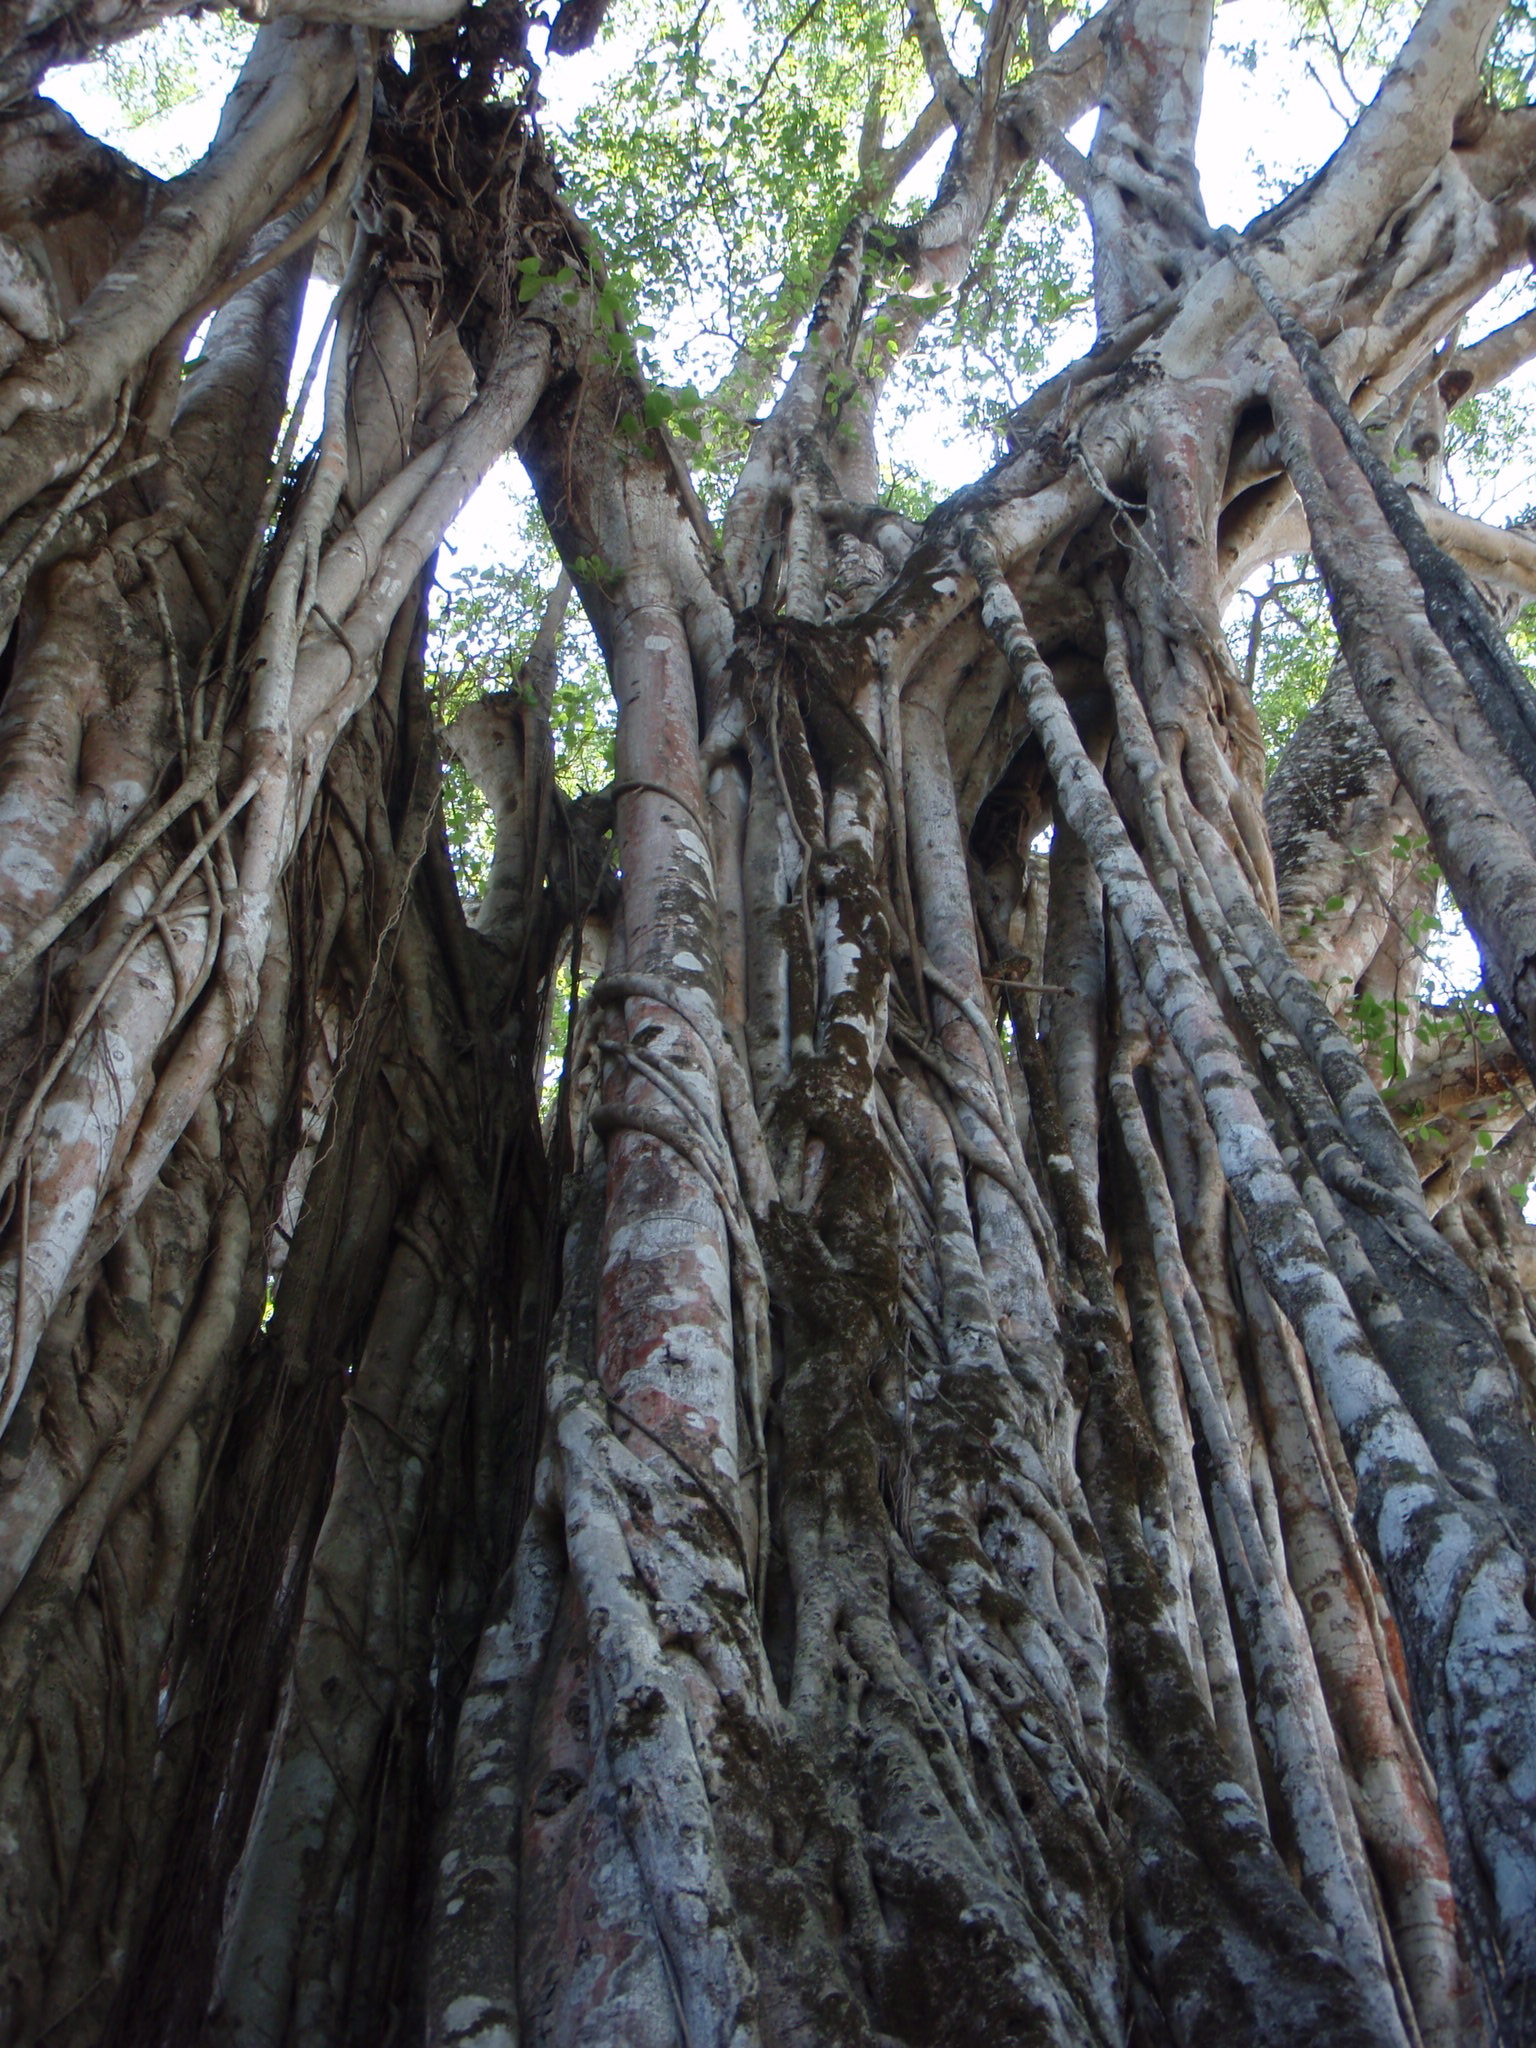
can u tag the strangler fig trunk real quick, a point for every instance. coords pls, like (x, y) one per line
(944, 1484)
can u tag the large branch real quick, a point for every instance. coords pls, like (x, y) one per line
(55, 403)
(1144, 143)
(1408, 125)
(832, 448)
(955, 93)
(1483, 364)
(1500, 555)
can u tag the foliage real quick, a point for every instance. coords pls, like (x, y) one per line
(1522, 634)
(1028, 290)
(176, 61)
(1487, 448)
(483, 623)
(1510, 67)
(179, 67)
(1348, 43)
(716, 172)
(1281, 636)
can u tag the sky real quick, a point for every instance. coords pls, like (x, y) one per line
(1269, 119)
(1262, 127)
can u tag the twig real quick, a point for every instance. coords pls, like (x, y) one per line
(702, 1484)
(41, 937)
(21, 1135)
(78, 493)
(18, 1325)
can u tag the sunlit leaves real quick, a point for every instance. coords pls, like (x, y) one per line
(719, 172)
(1488, 448)
(1281, 636)
(1030, 281)
(1510, 67)
(484, 621)
(157, 74)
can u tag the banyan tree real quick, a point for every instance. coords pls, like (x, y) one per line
(965, 1473)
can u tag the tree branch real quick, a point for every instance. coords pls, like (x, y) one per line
(1482, 364)
(957, 96)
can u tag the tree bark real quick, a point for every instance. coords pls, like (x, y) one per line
(952, 1490)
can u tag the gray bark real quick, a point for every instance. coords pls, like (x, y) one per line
(952, 1491)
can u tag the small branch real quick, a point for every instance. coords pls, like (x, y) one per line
(779, 55)
(1469, 633)
(21, 1135)
(81, 492)
(951, 88)
(17, 1361)
(1005, 19)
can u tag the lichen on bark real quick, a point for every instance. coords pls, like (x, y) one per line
(949, 1486)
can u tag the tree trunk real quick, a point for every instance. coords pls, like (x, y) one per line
(953, 1491)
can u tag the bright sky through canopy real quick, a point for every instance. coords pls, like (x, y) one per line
(836, 986)
(1268, 121)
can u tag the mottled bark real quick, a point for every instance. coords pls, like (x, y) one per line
(954, 1491)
